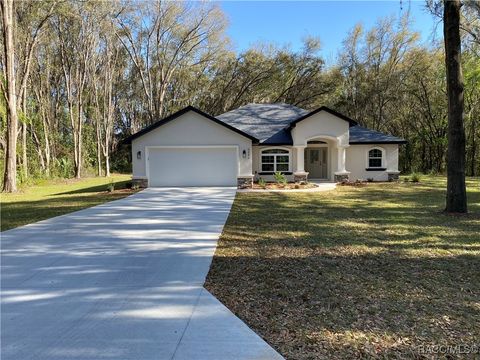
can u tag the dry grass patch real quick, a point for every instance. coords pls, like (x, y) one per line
(359, 272)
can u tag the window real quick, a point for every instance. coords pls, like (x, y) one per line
(275, 160)
(375, 157)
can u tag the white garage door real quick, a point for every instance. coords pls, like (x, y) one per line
(193, 166)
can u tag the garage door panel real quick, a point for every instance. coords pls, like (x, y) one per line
(193, 166)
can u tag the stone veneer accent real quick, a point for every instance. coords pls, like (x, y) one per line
(244, 182)
(341, 177)
(300, 177)
(143, 183)
(393, 176)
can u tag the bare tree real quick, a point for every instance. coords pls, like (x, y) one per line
(10, 175)
(32, 17)
(163, 37)
(77, 42)
(104, 80)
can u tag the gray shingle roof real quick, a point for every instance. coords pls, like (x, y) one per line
(269, 123)
(264, 121)
(361, 135)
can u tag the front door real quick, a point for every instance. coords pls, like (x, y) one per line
(316, 162)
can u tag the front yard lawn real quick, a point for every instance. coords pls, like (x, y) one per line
(359, 272)
(57, 197)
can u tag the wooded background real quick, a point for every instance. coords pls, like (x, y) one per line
(90, 73)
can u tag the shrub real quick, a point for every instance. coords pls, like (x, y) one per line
(280, 178)
(135, 187)
(262, 183)
(63, 168)
(415, 177)
(370, 179)
(297, 186)
(111, 187)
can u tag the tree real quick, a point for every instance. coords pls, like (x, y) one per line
(163, 38)
(77, 39)
(456, 189)
(10, 175)
(32, 16)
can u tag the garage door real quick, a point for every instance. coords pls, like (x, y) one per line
(193, 166)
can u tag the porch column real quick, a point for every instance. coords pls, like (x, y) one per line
(341, 159)
(341, 174)
(299, 173)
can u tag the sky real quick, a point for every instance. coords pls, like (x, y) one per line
(288, 22)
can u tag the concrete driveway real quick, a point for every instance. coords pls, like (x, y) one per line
(123, 280)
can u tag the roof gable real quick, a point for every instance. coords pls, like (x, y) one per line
(180, 113)
(323, 108)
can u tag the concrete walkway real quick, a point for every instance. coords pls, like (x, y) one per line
(123, 280)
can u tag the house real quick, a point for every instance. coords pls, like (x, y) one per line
(192, 148)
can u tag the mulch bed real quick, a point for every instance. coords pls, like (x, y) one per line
(288, 186)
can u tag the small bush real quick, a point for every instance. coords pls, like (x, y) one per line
(280, 178)
(370, 179)
(303, 182)
(111, 187)
(135, 187)
(415, 177)
(63, 168)
(262, 183)
(297, 186)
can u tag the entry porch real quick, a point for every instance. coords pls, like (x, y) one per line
(320, 159)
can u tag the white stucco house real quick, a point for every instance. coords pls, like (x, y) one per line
(192, 148)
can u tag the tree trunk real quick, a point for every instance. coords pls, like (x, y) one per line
(78, 166)
(24, 151)
(38, 148)
(107, 165)
(474, 149)
(10, 174)
(47, 146)
(24, 135)
(99, 144)
(456, 201)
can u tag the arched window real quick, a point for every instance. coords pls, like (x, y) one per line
(273, 160)
(375, 158)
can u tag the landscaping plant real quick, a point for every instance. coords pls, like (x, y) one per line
(280, 178)
(262, 183)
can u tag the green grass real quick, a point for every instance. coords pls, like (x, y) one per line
(359, 272)
(56, 197)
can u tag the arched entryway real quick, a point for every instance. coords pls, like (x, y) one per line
(317, 160)
(321, 157)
